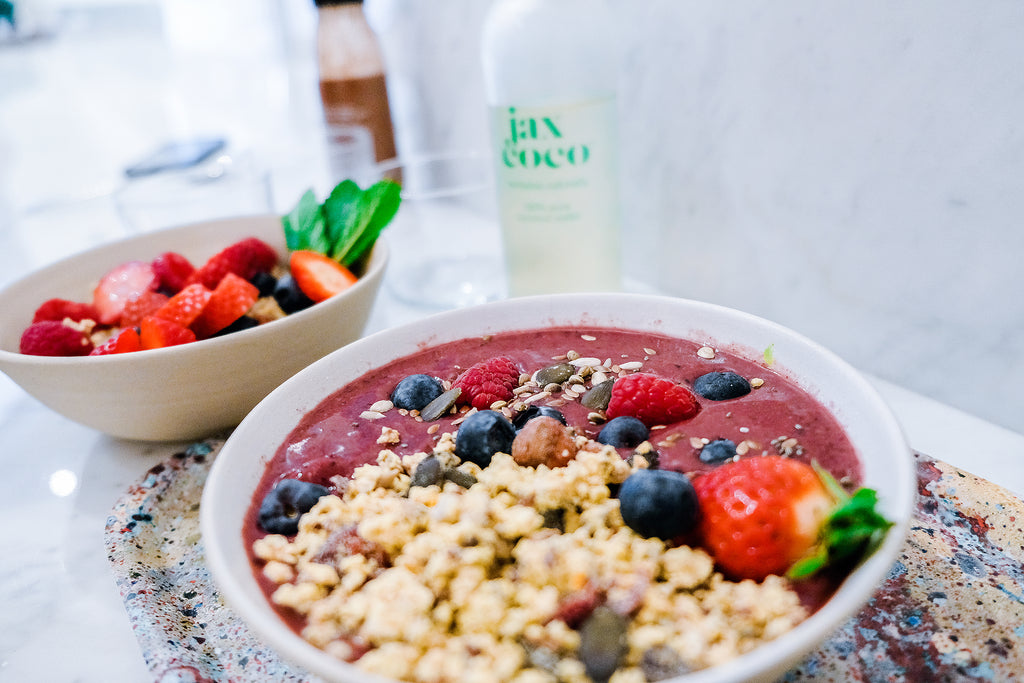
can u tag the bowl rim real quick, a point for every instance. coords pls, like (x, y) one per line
(376, 262)
(772, 658)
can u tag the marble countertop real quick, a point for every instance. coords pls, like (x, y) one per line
(62, 617)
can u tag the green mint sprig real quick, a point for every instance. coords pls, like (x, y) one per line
(347, 224)
(853, 529)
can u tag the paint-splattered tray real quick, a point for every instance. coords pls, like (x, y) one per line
(951, 609)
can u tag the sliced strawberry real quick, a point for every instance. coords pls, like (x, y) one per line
(172, 271)
(125, 341)
(232, 298)
(185, 306)
(54, 338)
(488, 381)
(59, 309)
(157, 333)
(772, 515)
(244, 258)
(141, 305)
(319, 277)
(651, 399)
(119, 285)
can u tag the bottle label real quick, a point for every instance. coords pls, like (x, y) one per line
(559, 195)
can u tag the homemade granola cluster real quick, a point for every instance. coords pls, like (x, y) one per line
(500, 574)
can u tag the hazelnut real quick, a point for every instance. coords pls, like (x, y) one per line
(543, 441)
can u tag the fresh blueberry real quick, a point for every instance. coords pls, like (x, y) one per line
(721, 386)
(286, 502)
(623, 432)
(243, 323)
(416, 391)
(264, 282)
(483, 434)
(718, 451)
(289, 297)
(659, 503)
(536, 411)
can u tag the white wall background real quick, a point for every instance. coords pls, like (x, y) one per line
(851, 169)
(854, 170)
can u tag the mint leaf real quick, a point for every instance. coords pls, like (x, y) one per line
(341, 211)
(376, 207)
(348, 222)
(304, 225)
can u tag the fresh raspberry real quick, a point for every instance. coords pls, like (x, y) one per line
(54, 338)
(126, 341)
(244, 259)
(488, 381)
(119, 285)
(58, 309)
(651, 399)
(156, 333)
(172, 272)
(141, 305)
(185, 306)
(232, 298)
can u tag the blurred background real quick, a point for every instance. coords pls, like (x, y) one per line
(851, 170)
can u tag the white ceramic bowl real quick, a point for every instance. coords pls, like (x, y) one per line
(181, 392)
(885, 456)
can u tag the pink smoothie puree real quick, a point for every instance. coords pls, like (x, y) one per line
(335, 437)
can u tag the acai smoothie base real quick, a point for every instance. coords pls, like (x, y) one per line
(522, 573)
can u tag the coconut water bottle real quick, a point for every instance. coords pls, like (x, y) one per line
(551, 75)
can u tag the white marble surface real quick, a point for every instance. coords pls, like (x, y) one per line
(859, 165)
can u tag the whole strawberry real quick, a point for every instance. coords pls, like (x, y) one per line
(488, 381)
(651, 399)
(775, 515)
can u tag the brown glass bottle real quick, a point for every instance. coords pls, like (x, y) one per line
(353, 85)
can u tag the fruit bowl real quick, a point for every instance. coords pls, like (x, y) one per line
(180, 392)
(883, 453)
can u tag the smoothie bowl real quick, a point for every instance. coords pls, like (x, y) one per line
(559, 489)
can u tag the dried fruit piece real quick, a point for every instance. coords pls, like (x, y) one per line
(543, 441)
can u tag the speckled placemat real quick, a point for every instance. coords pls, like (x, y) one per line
(951, 609)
